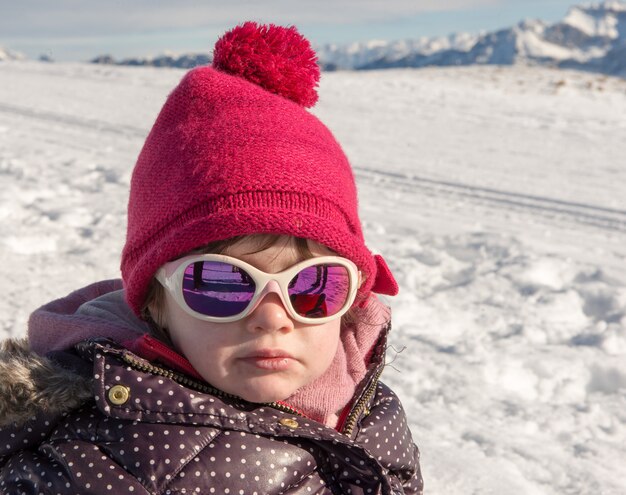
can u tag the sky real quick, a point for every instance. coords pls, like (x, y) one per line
(79, 30)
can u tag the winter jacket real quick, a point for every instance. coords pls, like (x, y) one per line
(98, 418)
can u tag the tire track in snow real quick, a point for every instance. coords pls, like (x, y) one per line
(597, 216)
(72, 120)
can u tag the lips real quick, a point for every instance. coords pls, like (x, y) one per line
(269, 359)
(269, 353)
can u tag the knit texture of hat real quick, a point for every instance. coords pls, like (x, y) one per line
(234, 152)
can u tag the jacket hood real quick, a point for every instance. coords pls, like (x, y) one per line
(32, 378)
(98, 310)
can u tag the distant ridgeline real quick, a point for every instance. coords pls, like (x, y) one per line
(185, 61)
(591, 38)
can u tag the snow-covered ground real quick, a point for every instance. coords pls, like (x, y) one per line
(497, 195)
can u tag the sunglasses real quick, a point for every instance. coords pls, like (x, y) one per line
(219, 288)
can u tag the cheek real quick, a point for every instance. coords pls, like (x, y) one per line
(323, 343)
(193, 337)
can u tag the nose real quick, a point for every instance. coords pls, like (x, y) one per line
(269, 313)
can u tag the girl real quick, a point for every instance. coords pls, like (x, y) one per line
(243, 350)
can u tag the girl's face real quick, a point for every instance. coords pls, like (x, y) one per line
(266, 356)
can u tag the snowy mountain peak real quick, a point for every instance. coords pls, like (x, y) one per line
(614, 5)
(590, 37)
(602, 20)
(6, 54)
(533, 25)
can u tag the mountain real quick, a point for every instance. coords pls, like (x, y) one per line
(184, 61)
(6, 54)
(361, 54)
(591, 37)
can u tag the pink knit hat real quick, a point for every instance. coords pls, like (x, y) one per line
(234, 152)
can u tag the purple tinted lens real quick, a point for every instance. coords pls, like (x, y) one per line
(218, 289)
(320, 290)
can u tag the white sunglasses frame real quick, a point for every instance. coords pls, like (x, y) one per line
(171, 276)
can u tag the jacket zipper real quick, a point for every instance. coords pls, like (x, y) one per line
(361, 405)
(196, 385)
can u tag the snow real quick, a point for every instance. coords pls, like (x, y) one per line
(496, 195)
(596, 20)
(530, 44)
(10, 55)
(614, 5)
(362, 53)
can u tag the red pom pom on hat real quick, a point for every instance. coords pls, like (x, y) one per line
(277, 58)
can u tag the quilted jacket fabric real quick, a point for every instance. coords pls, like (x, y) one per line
(149, 430)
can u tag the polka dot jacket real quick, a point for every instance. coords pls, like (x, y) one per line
(101, 420)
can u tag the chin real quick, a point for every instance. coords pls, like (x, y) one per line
(262, 395)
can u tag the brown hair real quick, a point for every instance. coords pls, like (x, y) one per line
(152, 309)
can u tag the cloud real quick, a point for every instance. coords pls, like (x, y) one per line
(86, 18)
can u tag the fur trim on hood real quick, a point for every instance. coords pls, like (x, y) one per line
(30, 384)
